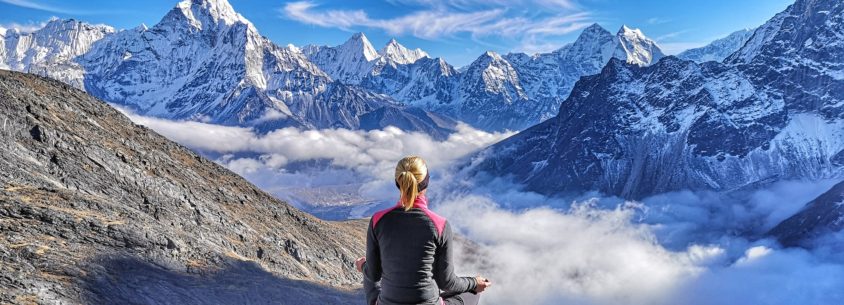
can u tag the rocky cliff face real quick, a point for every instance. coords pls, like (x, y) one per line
(773, 110)
(822, 215)
(95, 209)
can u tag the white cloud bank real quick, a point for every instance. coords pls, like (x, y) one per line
(590, 254)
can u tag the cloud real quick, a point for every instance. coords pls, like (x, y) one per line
(28, 27)
(347, 157)
(657, 20)
(581, 256)
(679, 248)
(673, 48)
(439, 20)
(36, 5)
(670, 35)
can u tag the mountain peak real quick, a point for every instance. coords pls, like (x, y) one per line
(630, 32)
(491, 54)
(397, 53)
(636, 48)
(61, 25)
(215, 11)
(359, 43)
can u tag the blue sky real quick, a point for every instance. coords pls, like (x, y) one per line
(457, 30)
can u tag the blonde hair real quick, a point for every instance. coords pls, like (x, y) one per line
(409, 172)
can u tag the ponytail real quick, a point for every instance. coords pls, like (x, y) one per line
(409, 191)
(411, 178)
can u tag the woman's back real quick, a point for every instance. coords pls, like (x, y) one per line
(408, 243)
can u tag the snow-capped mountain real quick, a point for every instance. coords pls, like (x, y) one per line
(719, 49)
(50, 50)
(549, 77)
(635, 48)
(349, 62)
(514, 91)
(356, 58)
(773, 110)
(490, 95)
(204, 61)
(428, 83)
(394, 52)
(201, 61)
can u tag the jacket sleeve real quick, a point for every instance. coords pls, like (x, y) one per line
(372, 267)
(444, 275)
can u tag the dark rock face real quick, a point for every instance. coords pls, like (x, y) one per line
(437, 126)
(96, 209)
(774, 109)
(822, 215)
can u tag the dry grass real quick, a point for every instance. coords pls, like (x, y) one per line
(55, 277)
(26, 299)
(40, 249)
(234, 255)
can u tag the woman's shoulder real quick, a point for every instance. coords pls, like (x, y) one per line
(439, 221)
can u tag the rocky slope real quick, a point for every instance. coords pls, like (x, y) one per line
(773, 110)
(719, 49)
(822, 215)
(95, 209)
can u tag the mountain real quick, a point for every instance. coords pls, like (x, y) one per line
(348, 62)
(514, 91)
(773, 110)
(635, 48)
(50, 51)
(490, 95)
(203, 61)
(97, 210)
(719, 49)
(549, 77)
(427, 83)
(822, 215)
(356, 59)
(394, 52)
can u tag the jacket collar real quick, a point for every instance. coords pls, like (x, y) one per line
(420, 202)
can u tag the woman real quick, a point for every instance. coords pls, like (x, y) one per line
(409, 250)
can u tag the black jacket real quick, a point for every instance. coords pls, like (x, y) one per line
(409, 257)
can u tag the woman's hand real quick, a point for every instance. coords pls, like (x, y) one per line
(482, 284)
(359, 264)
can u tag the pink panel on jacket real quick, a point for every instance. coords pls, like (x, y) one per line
(421, 203)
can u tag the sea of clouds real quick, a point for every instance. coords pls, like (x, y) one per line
(677, 248)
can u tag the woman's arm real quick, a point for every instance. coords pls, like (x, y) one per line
(444, 268)
(372, 267)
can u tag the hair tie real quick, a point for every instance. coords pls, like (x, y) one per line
(421, 186)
